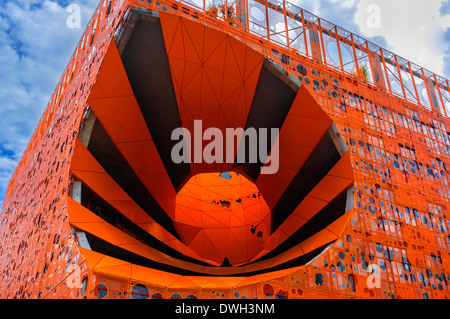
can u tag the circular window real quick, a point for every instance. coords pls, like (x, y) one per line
(139, 291)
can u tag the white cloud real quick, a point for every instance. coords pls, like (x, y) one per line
(35, 46)
(414, 29)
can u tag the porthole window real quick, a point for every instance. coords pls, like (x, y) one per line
(102, 291)
(83, 287)
(139, 291)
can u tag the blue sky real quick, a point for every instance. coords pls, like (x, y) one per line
(36, 45)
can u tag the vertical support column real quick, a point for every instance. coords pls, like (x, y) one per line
(226, 17)
(242, 13)
(400, 77)
(439, 93)
(76, 191)
(304, 35)
(385, 70)
(338, 43)
(320, 35)
(316, 51)
(288, 45)
(414, 84)
(76, 195)
(377, 72)
(358, 71)
(85, 134)
(267, 20)
(448, 88)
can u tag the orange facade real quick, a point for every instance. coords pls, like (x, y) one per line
(356, 209)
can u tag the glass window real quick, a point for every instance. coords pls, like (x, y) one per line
(139, 291)
(102, 291)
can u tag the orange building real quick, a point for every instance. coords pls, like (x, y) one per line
(356, 208)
